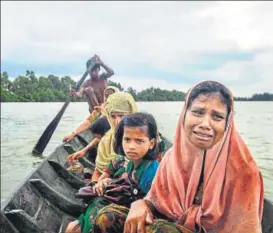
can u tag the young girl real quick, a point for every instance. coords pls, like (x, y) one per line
(135, 144)
(116, 107)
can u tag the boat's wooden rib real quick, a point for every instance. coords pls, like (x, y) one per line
(6, 226)
(86, 163)
(72, 179)
(59, 200)
(83, 140)
(45, 201)
(69, 148)
(21, 220)
(50, 218)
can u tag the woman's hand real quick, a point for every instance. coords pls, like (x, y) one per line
(76, 155)
(69, 137)
(99, 187)
(138, 216)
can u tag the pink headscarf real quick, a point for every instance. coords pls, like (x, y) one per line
(233, 192)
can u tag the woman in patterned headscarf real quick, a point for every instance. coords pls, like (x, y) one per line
(98, 125)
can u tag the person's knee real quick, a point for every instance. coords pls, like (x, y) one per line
(111, 217)
(103, 217)
(162, 226)
(73, 227)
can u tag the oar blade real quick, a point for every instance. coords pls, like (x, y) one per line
(47, 134)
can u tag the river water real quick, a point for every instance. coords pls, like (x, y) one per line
(23, 123)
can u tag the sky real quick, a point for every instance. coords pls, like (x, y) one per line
(170, 45)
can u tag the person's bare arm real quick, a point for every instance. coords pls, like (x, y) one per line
(79, 93)
(103, 176)
(92, 144)
(109, 71)
(81, 128)
(86, 124)
(94, 114)
(82, 152)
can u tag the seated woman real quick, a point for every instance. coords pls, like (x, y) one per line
(97, 124)
(207, 182)
(117, 106)
(95, 114)
(135, 144)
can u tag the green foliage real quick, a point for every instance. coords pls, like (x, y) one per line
(133, 93)
(257, 97)
(111, 83)
(157, 94)
(30, 88)
(152, 94)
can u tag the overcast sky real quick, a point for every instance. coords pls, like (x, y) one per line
(170, 45)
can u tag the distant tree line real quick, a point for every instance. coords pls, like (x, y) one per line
(257, 97)
(30, 88)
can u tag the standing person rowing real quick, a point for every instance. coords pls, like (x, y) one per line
(94, 87)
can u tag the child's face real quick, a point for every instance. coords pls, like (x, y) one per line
(107, 93)
(115, 117)
(136, 143)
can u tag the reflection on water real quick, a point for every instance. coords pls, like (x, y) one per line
(23, 123)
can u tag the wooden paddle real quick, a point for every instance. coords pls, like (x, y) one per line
(47, 134)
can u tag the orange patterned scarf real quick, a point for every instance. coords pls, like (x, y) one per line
(233, 187)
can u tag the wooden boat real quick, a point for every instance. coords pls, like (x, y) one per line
(45, 202)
